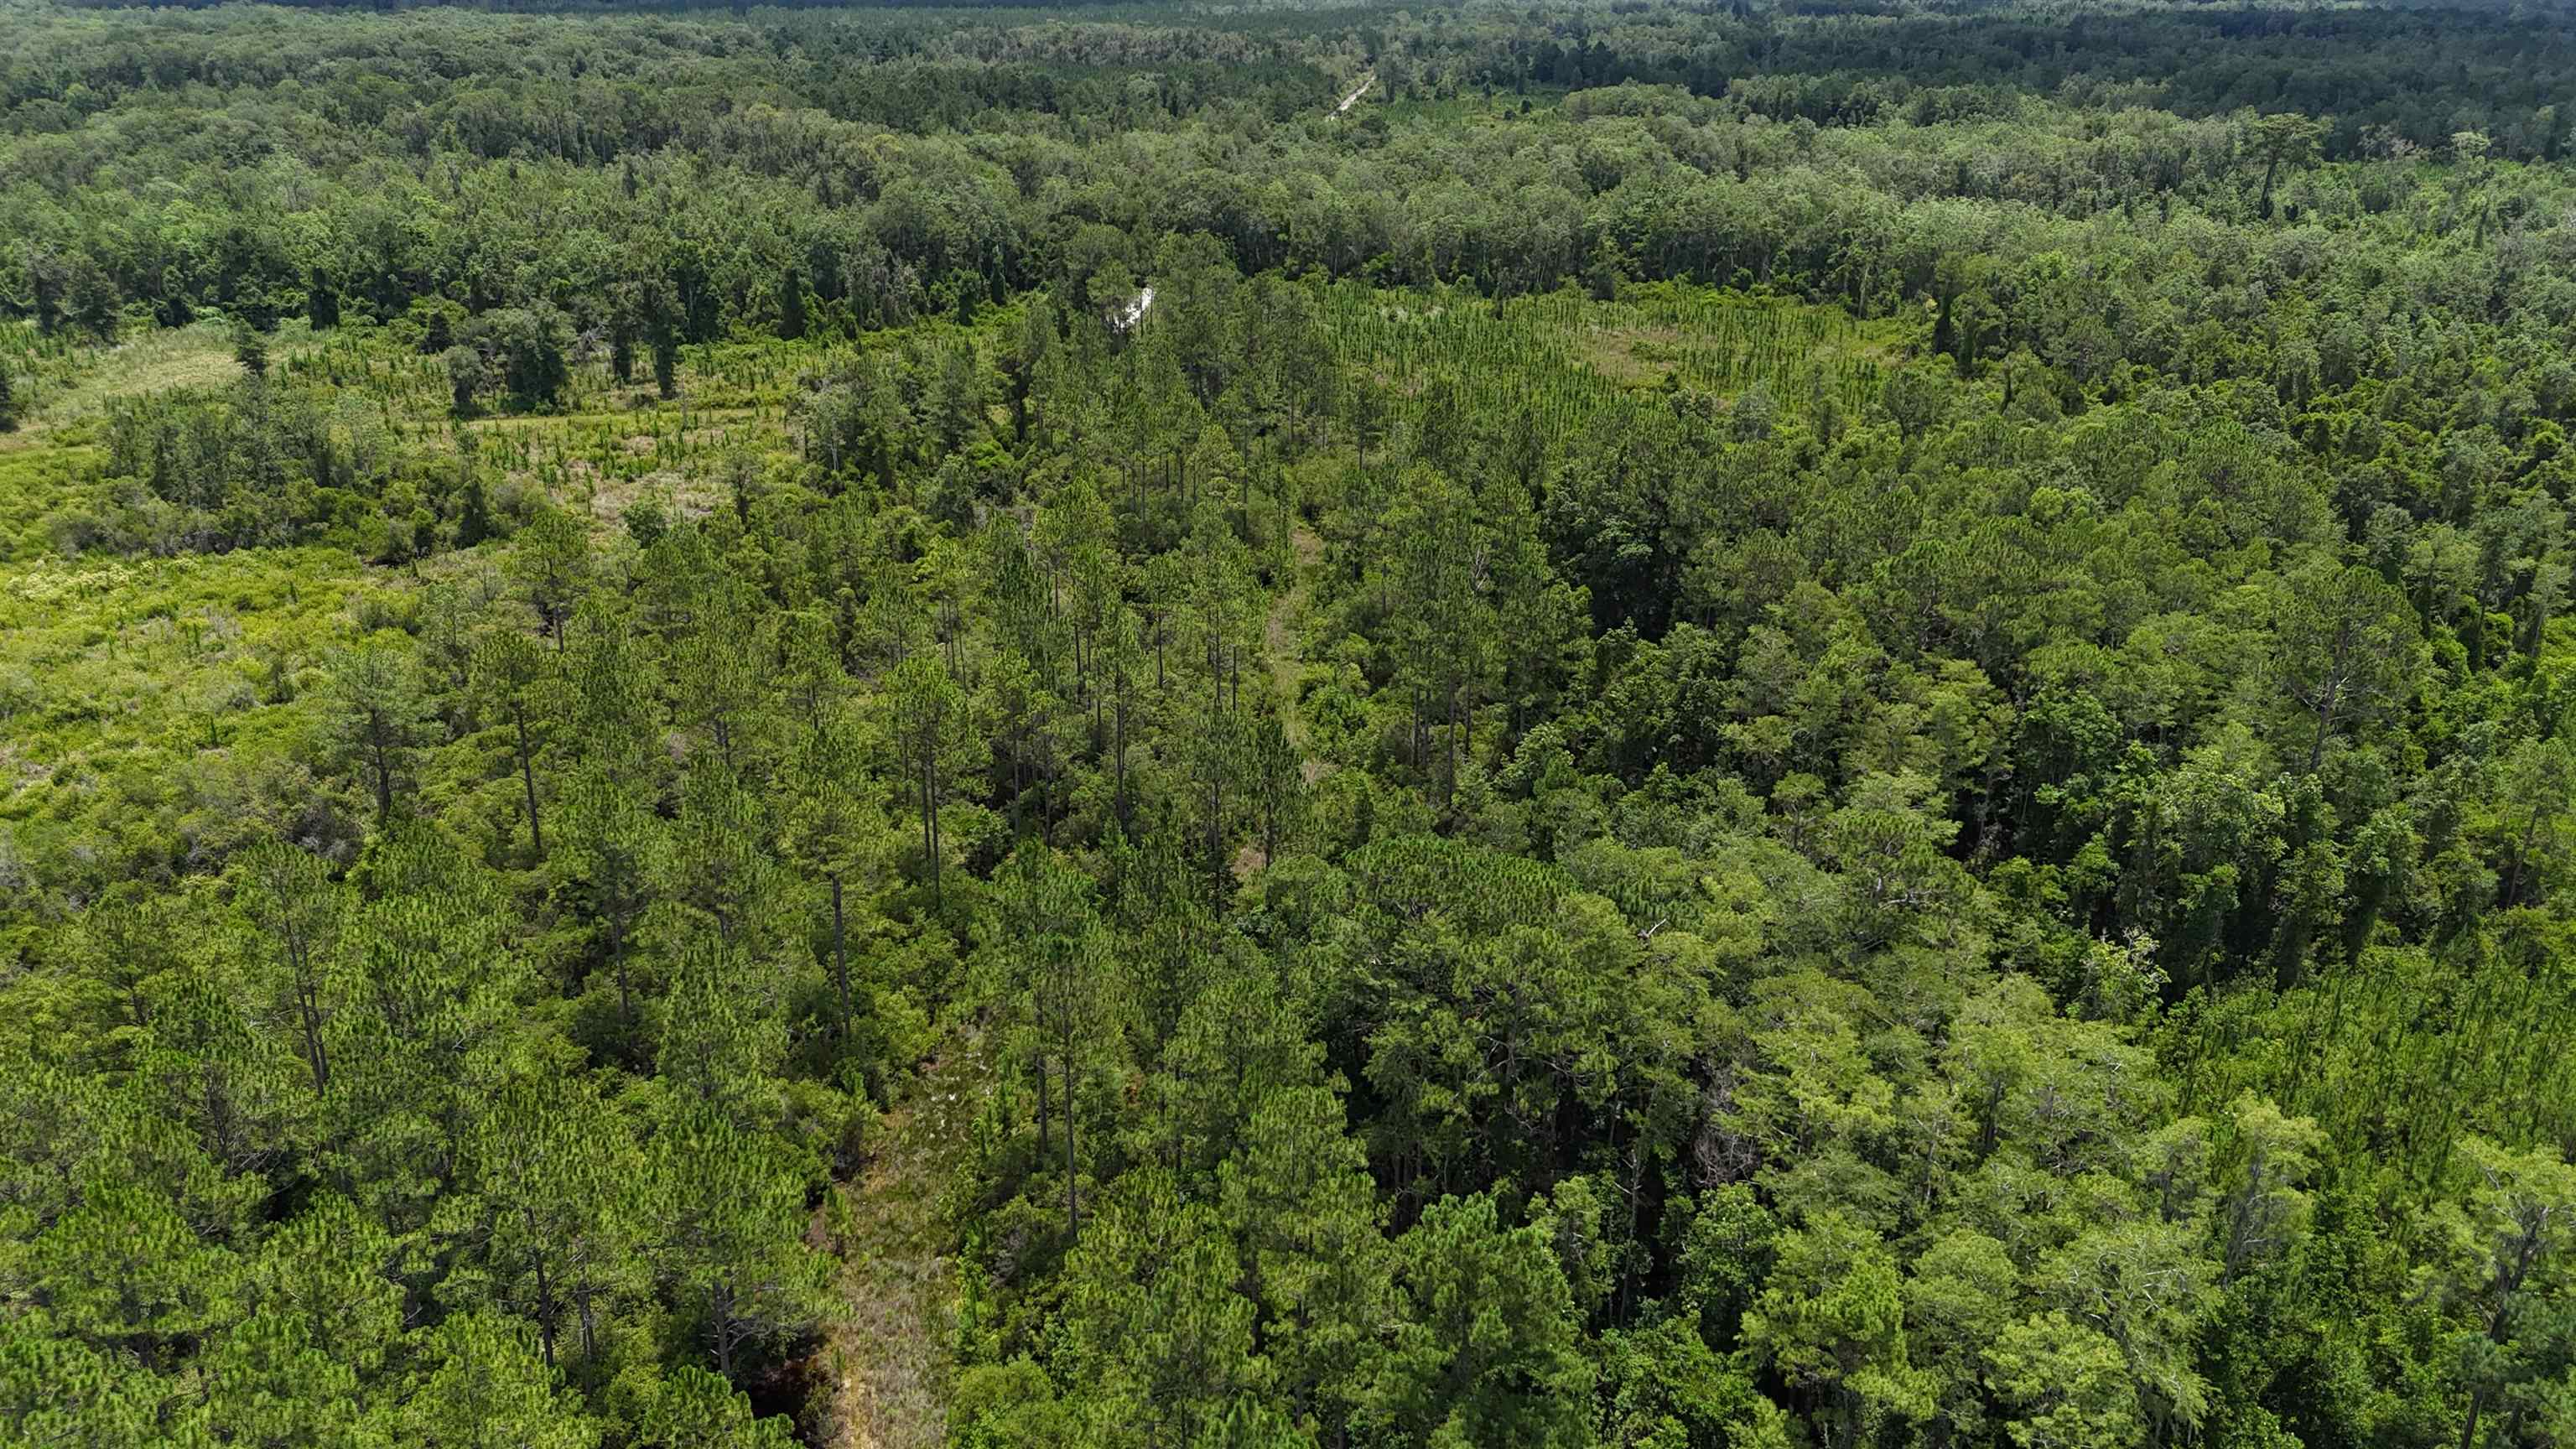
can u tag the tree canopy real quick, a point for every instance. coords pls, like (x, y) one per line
(1841, 725)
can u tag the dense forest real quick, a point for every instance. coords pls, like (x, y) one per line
(1833, 726)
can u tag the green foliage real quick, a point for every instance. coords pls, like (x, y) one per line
(1705, 728)
(1489, 1355)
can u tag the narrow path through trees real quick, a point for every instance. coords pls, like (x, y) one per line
(887, 1354)
(1279, 649)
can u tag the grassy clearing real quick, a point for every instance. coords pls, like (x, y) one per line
(1563, 358)
(74, 384)
(156, 698)
(1723, 343)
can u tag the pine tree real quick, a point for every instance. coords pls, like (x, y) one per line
(377, 715)
(1060, 952)
(611, 850)
(250, 349)
(124, 1270)
(2347, 648)
(512, 673)
(487, 1383)
(691, 1407)
(321, 303)
(550, 559)
(1487, 1353)
(1298, 1197)
(290, 899)
(791, 305)
(931, 734)
(1157, 1332)
(730, 1212)
(661, 333)
(833, 832)
(551, 1172)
